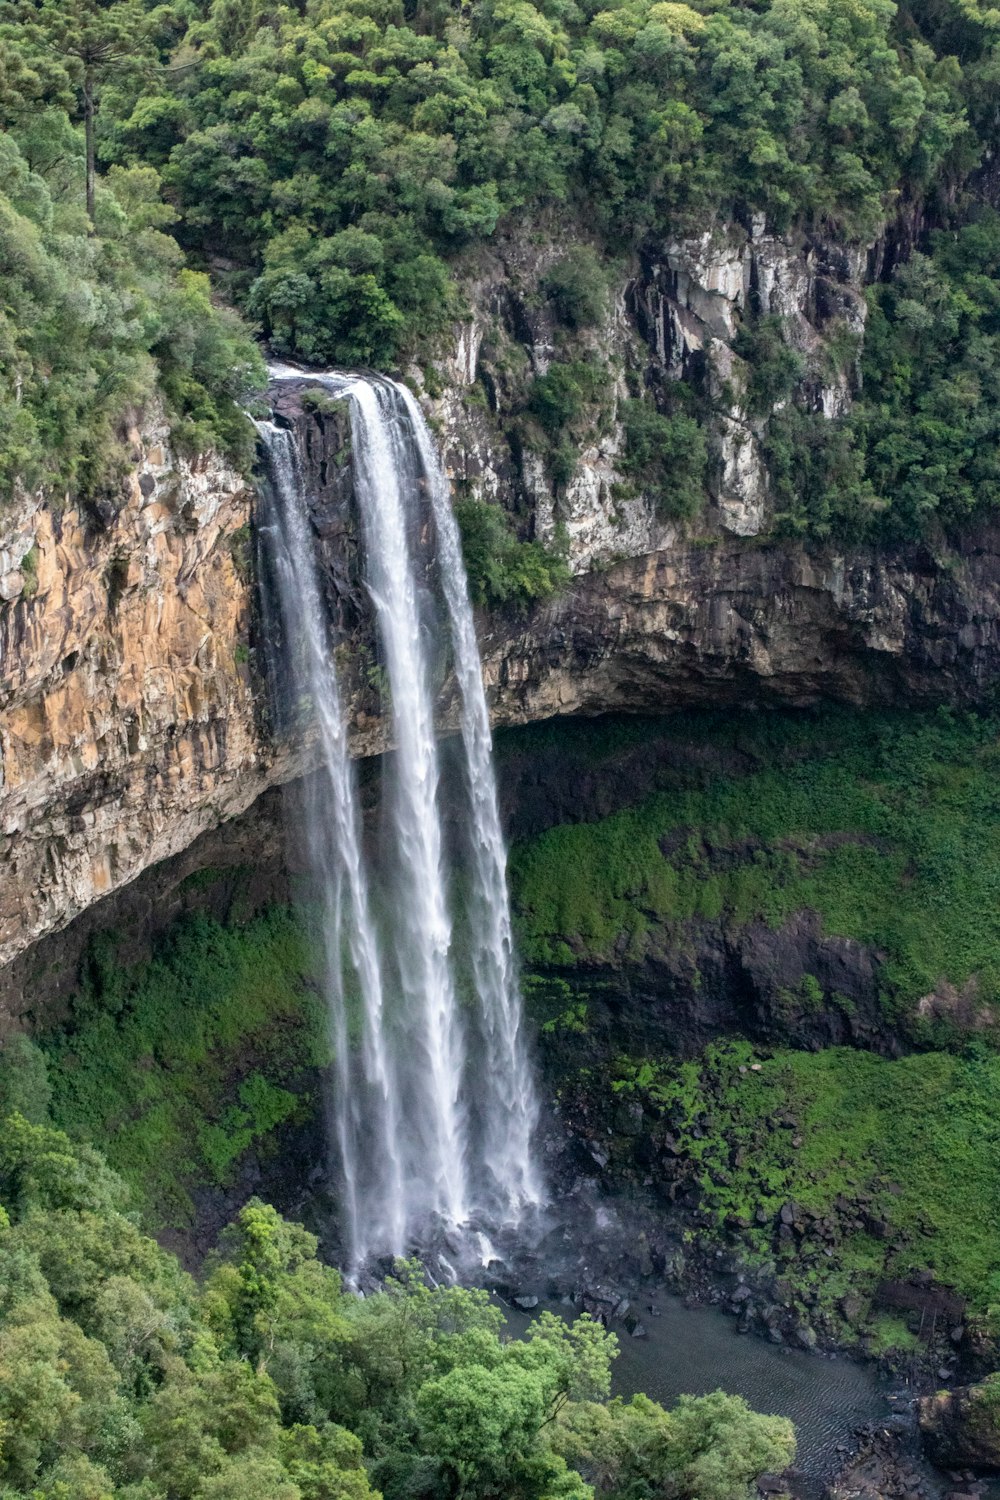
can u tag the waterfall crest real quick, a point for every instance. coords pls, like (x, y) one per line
(434, 1106)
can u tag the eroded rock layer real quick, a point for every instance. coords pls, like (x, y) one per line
(133, 711)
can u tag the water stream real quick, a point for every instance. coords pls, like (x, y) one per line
(419, 1146)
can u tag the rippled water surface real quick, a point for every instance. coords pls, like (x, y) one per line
(696, 1350)
(691, 1351)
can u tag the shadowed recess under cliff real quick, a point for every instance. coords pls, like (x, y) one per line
(419, 1145)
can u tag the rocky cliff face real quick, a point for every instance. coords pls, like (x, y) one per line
(675, 314)
(127, 717)
(131, 715)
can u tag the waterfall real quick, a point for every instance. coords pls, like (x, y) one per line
(366, 1103)
(510, 1111)
(434, 1105)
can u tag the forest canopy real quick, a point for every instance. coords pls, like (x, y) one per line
(329, 163)
(123, 1379)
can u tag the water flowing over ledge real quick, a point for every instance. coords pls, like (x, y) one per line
(434, 1106)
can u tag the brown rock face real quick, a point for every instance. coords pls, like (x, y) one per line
(132, 706)
(131, 721)
(737, 621)
(127, 714)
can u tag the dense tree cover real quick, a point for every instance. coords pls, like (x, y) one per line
(923, 441)
(342, 150)
(329, 160)
(121, 1379)
(98, 312)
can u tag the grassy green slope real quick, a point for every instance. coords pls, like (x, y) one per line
(175, 1067)
(887, 826)
(895, 1160)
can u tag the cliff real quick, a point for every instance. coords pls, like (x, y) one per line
(127, 714)
(133, 716)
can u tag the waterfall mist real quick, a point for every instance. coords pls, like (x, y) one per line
(434, 1106)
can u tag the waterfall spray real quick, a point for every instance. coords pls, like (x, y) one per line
(510, 1111)
(374, 1206)
(413, 1150)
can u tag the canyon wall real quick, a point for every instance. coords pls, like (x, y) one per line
(133, 712)
(128, 720)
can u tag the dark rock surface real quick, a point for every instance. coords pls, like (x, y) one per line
(961, 1427)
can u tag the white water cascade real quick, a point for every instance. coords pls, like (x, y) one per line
(434, 1106)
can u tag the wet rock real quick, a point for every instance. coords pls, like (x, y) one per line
(526, 1302)
(852, 1307)
(771, 1484)
(961, 1427)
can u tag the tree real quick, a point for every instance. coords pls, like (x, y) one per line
(24, 1081)
(94, 43)
(705, 1448)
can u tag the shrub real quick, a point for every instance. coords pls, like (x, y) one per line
(577, 288)
(667, 455)
(501, 569)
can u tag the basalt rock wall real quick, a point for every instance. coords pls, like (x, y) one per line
(134, 716)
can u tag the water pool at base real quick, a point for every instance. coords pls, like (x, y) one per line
(694, 1350)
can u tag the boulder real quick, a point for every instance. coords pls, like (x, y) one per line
(961, 1427)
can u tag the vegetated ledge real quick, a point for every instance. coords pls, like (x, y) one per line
(711, 891)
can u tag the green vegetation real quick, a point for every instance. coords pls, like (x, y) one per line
(334, 164)
(501, 570)
(175, 1067)
(120, 1379)
(887, 825)
(921, 445)
(100, 315)
(775, 368)
(667, 455)
(374, 143)
(577, 287)
(891, 1165)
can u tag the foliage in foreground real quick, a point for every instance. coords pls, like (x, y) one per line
(120, 1379)
(886, 825)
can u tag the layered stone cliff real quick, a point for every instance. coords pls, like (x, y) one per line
(127, 715)
(133, 713)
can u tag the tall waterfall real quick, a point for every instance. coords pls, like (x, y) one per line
(434, 1107)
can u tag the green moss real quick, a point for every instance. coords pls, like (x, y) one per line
(888, 826)
(899, 1154)
(175, 1067)
(890, 1335)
